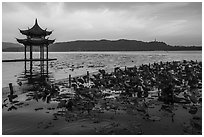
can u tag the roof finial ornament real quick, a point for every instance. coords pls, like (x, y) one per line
(36, 21)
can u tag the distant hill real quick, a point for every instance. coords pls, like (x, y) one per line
(103, 45)
(14, 47)
(7, 46)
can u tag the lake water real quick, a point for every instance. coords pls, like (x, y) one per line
(78, 63)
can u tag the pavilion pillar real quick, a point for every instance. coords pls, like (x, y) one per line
(41, 60)
(47, 59)
(25, 58)
(31, 62)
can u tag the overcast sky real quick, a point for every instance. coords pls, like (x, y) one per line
(173, 23)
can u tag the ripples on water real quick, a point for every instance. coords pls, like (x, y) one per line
(78, 63)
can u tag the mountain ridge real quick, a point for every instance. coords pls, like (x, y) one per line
(103, 45)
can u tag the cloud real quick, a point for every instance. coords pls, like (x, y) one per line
(141, 21)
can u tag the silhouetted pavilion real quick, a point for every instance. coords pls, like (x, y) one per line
(35, 37)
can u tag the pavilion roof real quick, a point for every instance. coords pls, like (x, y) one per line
(36, 30)
(35, 42)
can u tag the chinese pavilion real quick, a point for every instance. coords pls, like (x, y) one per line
(36, 37)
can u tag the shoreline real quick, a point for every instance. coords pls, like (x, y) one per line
(111, 51)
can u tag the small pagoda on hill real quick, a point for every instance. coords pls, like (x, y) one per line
(36, 37)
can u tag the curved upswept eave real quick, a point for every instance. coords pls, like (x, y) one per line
(22, 41)
(51, 41)
(35, 42)
(24, 32)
